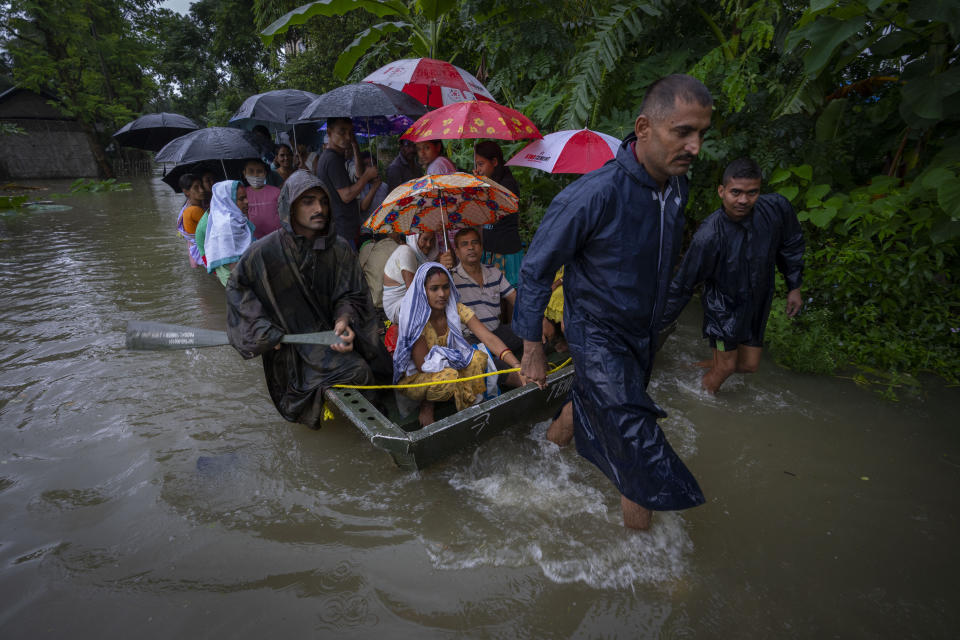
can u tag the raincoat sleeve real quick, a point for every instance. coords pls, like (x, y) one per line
(566, 225)
(698, 263)
(790, 252)
(351, 296)
(249, 327)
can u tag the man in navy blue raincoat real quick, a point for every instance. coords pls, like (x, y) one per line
(617, 231)
(733, 254)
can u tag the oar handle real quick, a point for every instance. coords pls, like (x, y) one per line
(323, 337)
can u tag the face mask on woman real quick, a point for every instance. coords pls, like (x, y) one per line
(256, 182)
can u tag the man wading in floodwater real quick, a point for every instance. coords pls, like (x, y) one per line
(617, 231)
(733, 253)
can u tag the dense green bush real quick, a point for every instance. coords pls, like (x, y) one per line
(881, 279)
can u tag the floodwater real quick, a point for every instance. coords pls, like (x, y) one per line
(159, 495)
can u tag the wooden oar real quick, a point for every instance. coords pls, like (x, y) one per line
(157, 335)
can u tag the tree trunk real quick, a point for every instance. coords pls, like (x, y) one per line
(103, 165)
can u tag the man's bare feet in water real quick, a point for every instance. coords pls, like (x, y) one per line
(560, 432)
(635, 516)
(426, 413)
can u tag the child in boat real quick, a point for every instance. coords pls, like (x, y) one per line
(431, 346)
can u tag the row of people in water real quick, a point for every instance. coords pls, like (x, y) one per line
(357, 190)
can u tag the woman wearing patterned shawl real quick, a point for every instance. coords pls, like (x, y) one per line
(431, 346)
(224, 232)
(303, 278)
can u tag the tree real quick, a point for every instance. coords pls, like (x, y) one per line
(423, 22)
(86, 55)
(207, 63)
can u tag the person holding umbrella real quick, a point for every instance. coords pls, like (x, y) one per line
(283, 158)
(404, 166)
(332, 170)
(502, 247)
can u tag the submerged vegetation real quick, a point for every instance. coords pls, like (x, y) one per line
(851, 107)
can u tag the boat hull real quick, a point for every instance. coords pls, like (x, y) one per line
(417, 449)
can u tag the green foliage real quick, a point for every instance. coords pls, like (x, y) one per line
(12, 202)
(882, 277)
(916, 41)
(84, 55)
(10, 129)
(207, 62)
(806, 343)
(300, 15)
(424, 24)
(86, 185)
(600, 56)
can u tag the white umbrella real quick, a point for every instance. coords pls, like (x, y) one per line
(569, 151)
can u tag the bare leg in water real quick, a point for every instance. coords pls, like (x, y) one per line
(635, 516)
(745, 359)
(560, 431)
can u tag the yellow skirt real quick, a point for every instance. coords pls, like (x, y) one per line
(464, 394)
(554, 310)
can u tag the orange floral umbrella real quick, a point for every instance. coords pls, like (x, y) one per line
(472, 119)
(436, 202)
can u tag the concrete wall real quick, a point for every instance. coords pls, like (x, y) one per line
(53, 147)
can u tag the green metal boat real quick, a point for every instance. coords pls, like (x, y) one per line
(414, 447)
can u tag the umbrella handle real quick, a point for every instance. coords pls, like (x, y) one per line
(443, 223)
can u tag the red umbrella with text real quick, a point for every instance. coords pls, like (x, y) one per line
(434, 83)
(570, 151)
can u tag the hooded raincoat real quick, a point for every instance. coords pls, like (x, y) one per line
(617, 236)
(735, 262)
(285, 283)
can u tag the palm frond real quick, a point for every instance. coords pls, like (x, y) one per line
(600, 57)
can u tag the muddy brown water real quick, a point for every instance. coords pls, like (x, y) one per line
(158, 494)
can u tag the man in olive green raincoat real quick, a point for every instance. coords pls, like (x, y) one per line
(303, 278)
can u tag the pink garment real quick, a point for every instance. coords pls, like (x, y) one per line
(441, 165)
(263, 210)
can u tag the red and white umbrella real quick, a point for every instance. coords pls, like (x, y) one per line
(570, 151)
(434, 83)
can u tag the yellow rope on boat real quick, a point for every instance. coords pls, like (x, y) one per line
(428, 384)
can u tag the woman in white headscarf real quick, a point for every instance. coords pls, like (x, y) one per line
(431, 346)
(228, 232)
(402, 264)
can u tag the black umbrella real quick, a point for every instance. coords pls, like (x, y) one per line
(363, 100)
(153, 130)
(212, 143)
(221, 169)
(276, 110)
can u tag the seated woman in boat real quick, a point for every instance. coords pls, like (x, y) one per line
(431, 346)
